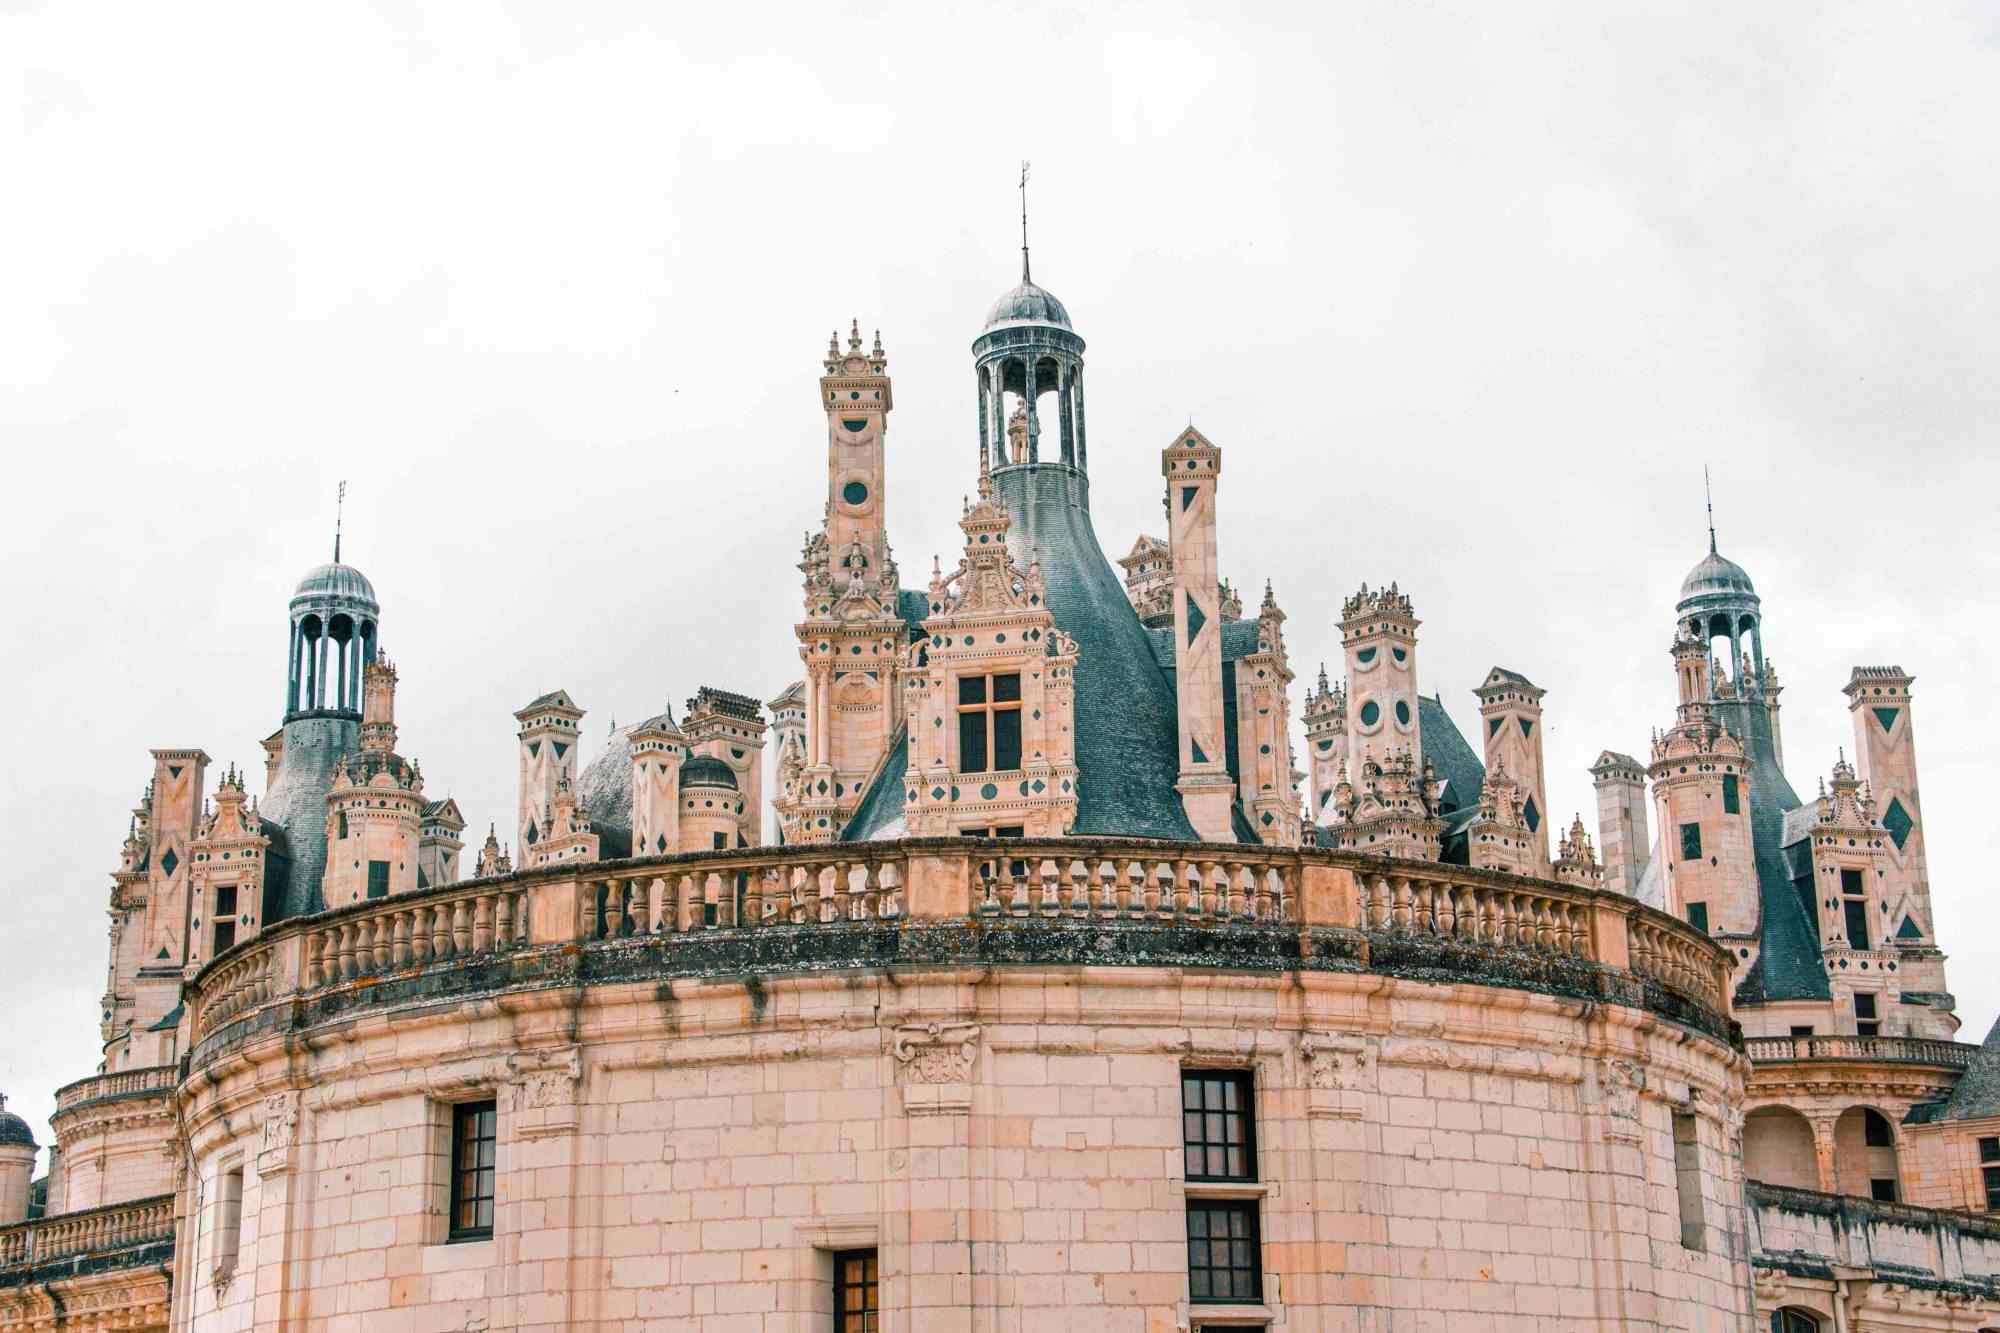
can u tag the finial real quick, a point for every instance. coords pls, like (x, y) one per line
(1024, 220)
(1708, 492)
(339, 505)
(854, 337)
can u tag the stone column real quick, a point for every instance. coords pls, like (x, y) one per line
(1082, 457)
(1063, 378)
(980, 377)
(1034, 429)
(1822, 1132)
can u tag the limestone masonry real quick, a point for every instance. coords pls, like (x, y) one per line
(1041, 996)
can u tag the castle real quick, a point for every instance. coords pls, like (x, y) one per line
(1042, 996)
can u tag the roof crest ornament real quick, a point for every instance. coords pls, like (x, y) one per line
(1708, 493)
(1024, 220)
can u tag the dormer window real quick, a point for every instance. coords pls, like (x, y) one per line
(989, 723)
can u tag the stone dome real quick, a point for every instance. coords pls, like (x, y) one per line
(1028, 304)
(13, 1129)
(703, 771)
(336, 580)
(1717, 576)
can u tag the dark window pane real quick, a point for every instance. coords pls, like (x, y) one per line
(473, 1128)
(1857, 922)
(1218, 1126)
(378, 879)
(1731, 802)
(1690, 841)
(1698, 916)
(1007, 739)
(1989, 1150)
(856, 1288)
(972, 742)
(972, 689)
(1007, 689)
(1864, 1006)
(1223, 1262)
(1852, 884)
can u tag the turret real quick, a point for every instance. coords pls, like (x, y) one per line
(1191, 465)
(1510, 709)
(1379, 635)
(548, 735)
(1326, 743)
(17, 1165)
(1621, 820)
(730, 727)
(374, 813)
(1267, 787)
(1575, 862)
(658, 749)
(439, 845)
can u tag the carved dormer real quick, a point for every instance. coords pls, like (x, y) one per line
(228, 854)
(989, 693)
(1576, 860)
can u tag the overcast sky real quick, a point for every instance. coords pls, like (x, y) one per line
(1466, 293)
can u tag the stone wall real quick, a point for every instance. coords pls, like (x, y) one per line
(689, 1154)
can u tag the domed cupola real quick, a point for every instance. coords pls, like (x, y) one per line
(704, 771)
(1027, 304)
(1028, 349)
(335, 626)
(1716, 576)
(1719, 602)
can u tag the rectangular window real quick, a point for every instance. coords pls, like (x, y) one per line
(228, 1218)
(1865, 1017)
(1690, 842)
(989, 723)
(1992, 1181)
(1222, 1252)
(1217, 1125)
(1687, 1174)
(1732, 802)
(1698, 916)
(1852, 884)
(1857, 922)
(1875, 1131)
(1881, 1190)
(856, 1286)
(1798, 1031)
(473, 1131)
(378, 879)
(721, 842)
(1989, 1150)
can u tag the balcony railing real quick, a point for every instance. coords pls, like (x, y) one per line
(94, 1231)
(122, 1083)
(1885, 1050)
(930, 900)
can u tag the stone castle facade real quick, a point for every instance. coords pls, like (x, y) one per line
(1042, 996)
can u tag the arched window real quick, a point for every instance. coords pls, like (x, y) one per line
(1794, 1321)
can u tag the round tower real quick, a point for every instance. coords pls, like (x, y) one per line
(17, 1165)
(710, 805)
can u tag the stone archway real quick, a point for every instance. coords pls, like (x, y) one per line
(1778, 1148)
(1864, 1154)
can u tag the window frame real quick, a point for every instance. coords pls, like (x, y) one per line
(1211, 1208)
(456, 1174)
(1245, 1083)
(870, 1286)
(1698, 910)
(1732, 799)
(1691, 841)
(988, 707)
(226, 1223)
(369, 893)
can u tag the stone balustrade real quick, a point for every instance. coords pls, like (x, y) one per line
(392, 934)
(159, 1079)
(1808, 1234)
(1110, 900)
(94, 1231)
(1883, 1050)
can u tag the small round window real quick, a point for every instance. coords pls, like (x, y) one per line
(1365, 656)
(854, 493)
(1371, 713)
(1401, 656)
(1402, 713)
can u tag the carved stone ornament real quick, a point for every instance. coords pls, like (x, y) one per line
(278, 1134)
(937, 1060)
(1619, 1084)
(542, 1093)
(1339, 1072)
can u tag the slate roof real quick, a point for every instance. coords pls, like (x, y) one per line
(604, 792)
(1977, 1095)
(1789, 965)
(880, 814)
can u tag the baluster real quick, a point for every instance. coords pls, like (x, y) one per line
(586, 893)
(461, 929)
(1125, 879)
(1033, 872)
(1017, 885)
(1213, 885)
(1423, 906)
(753, 898)
(345, 952)
(503, 921)
(870, 904)
(1045, 876)
(1400, 911)
(315, 958)
(1253, 891)
(842, 886)
(614, 910)
(1075, 888)
(892, 891)
(399, 940)
(482, 922)
(989, 890)
(684, 896)
(420, 934)
(440, 930)
(713, 889)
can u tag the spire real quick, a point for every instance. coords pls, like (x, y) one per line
(1708, 492)
(1024, 220)
(339, 504)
